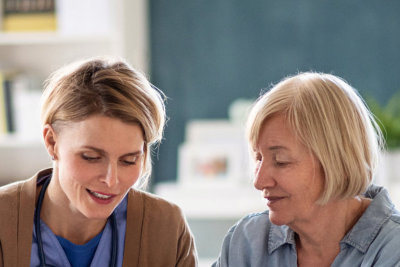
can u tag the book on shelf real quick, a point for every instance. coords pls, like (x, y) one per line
(29, 15)
(19, 105)
(3, 120)
(6, 105)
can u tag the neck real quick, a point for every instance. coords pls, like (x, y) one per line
(339, 217)
(64, 221)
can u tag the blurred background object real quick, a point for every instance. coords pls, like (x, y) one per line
(212, 59)
(206, 54)
(39, 36)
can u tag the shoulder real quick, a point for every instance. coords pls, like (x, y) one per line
(395, 218)
(12, 202)
(391, 228)
(166, 239)
(251, 229)
(390, 222)
(9, 202)
(384, 248)
(160, 220)
(156, 207)
(381, 217)
(152, 201)
(21, 191)
(9, 193)
(252, 221)
(12, 190)
(245, 243)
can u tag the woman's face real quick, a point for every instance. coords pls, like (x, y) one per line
(97, 161)
(288, 174)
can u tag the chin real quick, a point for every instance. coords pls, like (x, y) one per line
(277, 219)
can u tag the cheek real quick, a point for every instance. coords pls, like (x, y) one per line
(319, 181)
(129, 177)
(318, 178)
(75, 169)
(312, 187)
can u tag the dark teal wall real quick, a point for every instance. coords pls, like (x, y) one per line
(207, 53)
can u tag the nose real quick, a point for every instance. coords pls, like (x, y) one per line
(263, 177)
(111, 175)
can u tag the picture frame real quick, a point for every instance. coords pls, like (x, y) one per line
(205, 164)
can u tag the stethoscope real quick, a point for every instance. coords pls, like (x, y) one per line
(39, 232)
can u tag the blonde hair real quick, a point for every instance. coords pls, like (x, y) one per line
(109, 87)
(331, 119)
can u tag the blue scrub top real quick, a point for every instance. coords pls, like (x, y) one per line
(80, 255)
(55, 254)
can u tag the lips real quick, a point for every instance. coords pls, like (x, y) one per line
(101, 196)
(273, 199)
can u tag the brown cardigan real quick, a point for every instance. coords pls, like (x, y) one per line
(156, 232)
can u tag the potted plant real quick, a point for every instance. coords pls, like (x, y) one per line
(388, 118)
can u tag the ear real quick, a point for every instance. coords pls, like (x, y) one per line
(50, 140)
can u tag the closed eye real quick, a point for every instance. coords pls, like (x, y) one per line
(131, 160)
(90, 159)
(127, 162)
(281, 164)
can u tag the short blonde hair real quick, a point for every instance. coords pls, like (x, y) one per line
(109, 87)
(331, 119)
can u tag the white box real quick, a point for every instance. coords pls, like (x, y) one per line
(87, 17)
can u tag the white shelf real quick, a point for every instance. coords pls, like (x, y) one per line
(213, 201)
(14, 141)
(49, 38)
(21, 159)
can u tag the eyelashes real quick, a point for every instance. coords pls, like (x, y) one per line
(281, 164)
(92, 159)
(277, 163)
(129, 162)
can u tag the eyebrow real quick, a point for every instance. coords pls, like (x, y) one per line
(103, 152)
(274, 148)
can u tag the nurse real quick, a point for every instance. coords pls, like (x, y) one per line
(100, 120)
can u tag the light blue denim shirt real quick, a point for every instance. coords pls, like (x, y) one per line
(55, 254)
(373, 241)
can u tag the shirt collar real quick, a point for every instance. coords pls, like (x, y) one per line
(360, 236)
(278, 236)
(367, 227)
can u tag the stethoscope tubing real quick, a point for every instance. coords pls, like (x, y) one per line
(42, 257)
(37, 224)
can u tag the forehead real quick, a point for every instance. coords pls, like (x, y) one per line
(276, 134)
(102, 131)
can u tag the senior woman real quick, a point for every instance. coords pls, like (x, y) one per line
(100, 118)
(316, 147)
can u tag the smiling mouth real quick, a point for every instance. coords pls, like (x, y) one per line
(99, 195)
(272, 200)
